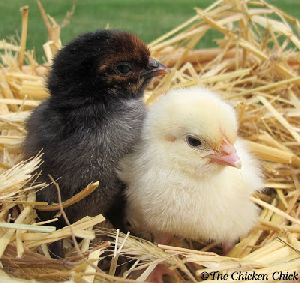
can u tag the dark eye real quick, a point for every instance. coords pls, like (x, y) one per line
(193, 142)
(123, 68)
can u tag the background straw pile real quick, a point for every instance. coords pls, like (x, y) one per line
(256, 66)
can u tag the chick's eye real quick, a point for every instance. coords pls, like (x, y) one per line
(193, 142)
(123, 68)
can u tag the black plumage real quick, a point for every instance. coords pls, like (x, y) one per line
(92, 118)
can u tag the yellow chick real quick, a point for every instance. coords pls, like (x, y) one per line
(191, 175)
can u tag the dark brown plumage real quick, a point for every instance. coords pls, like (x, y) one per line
(91, 120)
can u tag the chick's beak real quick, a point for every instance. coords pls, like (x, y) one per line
(155, 68)
(226, 156)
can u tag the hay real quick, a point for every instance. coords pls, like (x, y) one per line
(255, 65)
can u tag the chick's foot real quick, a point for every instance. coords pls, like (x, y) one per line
(163, 238)
(158, 273)
(227, 247)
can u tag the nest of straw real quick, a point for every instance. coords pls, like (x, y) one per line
(255, 65)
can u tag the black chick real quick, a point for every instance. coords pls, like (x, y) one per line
(92, 119)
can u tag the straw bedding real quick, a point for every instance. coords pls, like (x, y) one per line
(256, 66)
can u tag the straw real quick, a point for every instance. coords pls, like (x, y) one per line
(255, 65)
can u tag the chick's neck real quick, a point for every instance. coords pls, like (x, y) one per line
(80, 97)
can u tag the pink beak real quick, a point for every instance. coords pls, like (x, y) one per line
(226, 156)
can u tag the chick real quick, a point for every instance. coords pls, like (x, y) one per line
(191, 175)
(92, 119)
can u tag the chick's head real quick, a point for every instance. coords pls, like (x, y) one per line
(104, 64)
(194, 129)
